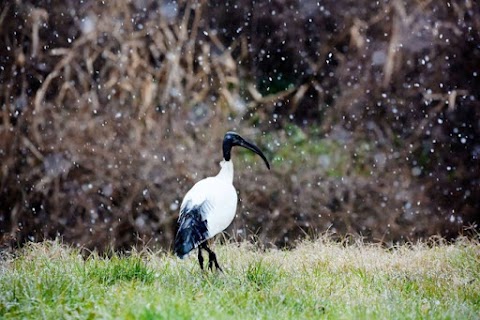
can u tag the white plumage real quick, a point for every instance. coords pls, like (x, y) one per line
(209, 206)
(218, 196)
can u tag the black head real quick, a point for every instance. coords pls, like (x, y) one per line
(233, 139)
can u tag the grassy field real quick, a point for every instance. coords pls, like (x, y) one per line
(318, 279)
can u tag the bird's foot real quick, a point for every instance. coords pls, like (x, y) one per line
(212, 261)
(200, 258)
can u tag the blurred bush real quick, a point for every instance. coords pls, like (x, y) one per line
(109, 112)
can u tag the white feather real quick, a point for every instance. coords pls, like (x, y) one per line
(217, 197)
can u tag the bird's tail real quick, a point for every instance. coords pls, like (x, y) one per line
(192, 231)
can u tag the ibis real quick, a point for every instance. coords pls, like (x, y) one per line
(209, 206)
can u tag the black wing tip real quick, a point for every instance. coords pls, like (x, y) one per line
(191, 232)
(180, 254)
(183, 244)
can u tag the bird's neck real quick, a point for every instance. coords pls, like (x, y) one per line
(226, 172)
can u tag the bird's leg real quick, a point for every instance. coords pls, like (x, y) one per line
(200, 257)
(212, 258)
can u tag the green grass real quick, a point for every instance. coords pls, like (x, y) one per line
(317, 280)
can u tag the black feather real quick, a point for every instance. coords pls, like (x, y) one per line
(192, 231)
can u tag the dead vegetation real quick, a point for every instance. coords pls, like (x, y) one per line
(110, 112)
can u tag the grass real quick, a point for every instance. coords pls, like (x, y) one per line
(317, 280)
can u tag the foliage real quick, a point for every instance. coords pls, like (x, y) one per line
(109, 113)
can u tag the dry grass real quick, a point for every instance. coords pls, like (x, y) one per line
(111, 134)
(319, 279)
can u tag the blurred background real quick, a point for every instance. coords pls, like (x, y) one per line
(111, 110)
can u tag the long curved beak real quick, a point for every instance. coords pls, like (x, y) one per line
(250, 146)
(234, 139)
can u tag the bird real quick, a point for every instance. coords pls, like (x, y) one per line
(209, 207)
